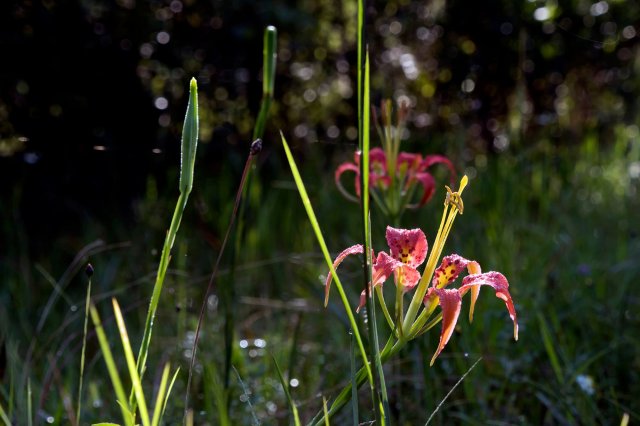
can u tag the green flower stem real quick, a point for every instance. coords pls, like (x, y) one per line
(417, 327)
(385, 311)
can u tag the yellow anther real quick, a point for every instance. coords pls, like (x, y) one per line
(455, 199)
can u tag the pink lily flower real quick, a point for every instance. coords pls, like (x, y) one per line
(450, 300)
(410, 170)
(408, 249)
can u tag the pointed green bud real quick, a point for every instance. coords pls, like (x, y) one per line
(189, 140)
(269, 60)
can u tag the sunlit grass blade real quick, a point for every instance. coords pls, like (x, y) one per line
(87, 303)
(163, 393)
(268, 78)
(189, 145)
(323, 246)
(285, 387)
(374, 350)
(127, 416)
(166, 397)
(131, 364)
(4, 417)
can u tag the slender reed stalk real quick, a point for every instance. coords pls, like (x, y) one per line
(227, 293)
(256, 147)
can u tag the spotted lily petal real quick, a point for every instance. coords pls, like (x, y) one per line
(407, 245)
(407, 277)
(356, 249)
(500, 285)
(450, 302)
(383, 267)
(449, 270)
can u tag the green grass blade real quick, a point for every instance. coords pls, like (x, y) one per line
(323, 246)
(372, 327)
(89, 272)
(111, 367)
(166, 397)
(162, 390)
(4, 417)
(268, 78)
(324, 410)
(131, 364)
(548, 345)
(29, 403)
(354, 386)
(285, 387)
(360, 46)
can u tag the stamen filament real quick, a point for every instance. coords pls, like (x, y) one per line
(450, 211)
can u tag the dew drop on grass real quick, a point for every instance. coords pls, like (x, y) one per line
(243, 344)
(260, 343)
